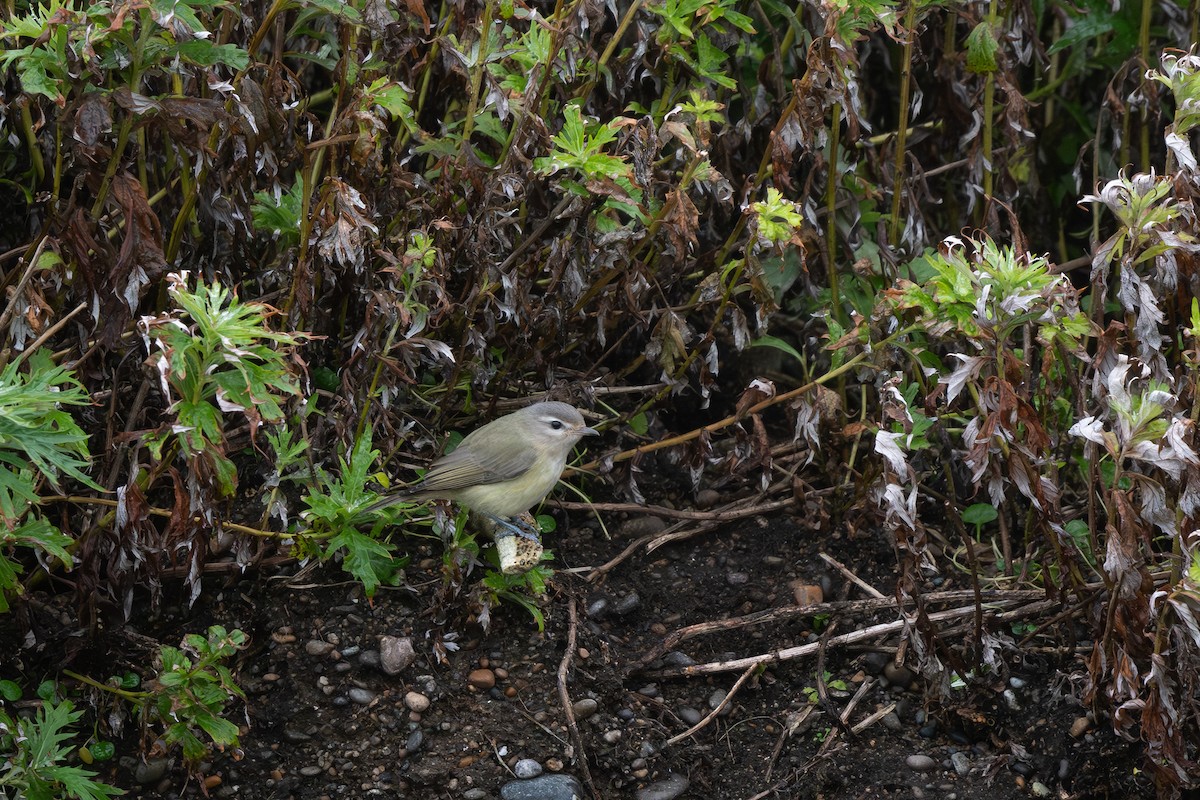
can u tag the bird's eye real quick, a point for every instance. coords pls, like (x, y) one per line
(557, 425)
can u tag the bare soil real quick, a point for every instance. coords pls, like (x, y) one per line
(324, 720)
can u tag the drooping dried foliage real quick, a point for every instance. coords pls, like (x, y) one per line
(266, 238)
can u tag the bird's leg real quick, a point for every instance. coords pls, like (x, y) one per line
(516, 527)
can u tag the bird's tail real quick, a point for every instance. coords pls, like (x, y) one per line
(403, 496)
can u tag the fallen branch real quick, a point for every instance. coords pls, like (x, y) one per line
(564, 697)
(850, 576)
(792, 653)
(671, 640)
(713, 714)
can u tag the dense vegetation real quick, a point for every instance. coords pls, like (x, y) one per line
(249, 247)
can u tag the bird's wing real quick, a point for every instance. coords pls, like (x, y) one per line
(467, 467)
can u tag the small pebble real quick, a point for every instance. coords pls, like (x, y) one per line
(670, 787)
(920, 763)
(707, 498)
(626, 605)
(1040, 789)
(737, 578)
(414, 741)
(716, 698)
(396, 653)
(150, 771)
(806, 594)
(962, 763)
(1080, 726)
(892, 722)
(874, 663)
(527, 768)
(482, 679)
(543, 787)
(584, 708)
(316, 647)
(636, 527)
(678, 659)
(898, 674)
(360, 695)
(415, 701)
(690, 716)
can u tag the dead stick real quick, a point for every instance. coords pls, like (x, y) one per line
(873, 718)
(792, 653)
(713, 714)
(564, 697)
(857, 581)
(832, 607)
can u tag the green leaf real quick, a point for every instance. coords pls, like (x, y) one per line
(979, 514)
(205, 53)
(778, 344)
(103, 750)
(368, 560)
(9, 690)
(981, 49)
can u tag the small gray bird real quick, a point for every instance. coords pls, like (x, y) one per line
(506, 467)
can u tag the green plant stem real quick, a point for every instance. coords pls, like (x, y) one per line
(989, 103)
(31, 145)
(1144, 46)
(379, 364)
(477, 72)
(831, 237)
(133, 697)
(910, 21)
(166, 512)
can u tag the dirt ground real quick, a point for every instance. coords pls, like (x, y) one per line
(325, 718)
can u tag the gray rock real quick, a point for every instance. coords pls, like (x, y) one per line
(962, 763)
(690, 715)
(668, 788)
(150, 771)
(892, 722)
(626, 605)
(1040, 789)
(414, 741)
(527, 768)
(544, 787)
(316, 647)
(360, 695)
(920, 763)
(475, 794)
(584, 708)
(396, 653)
(898, 674)
(678, 659)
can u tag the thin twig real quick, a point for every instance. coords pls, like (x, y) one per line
(564, 696)
(720, 707)
(792, 653)
(774, 615)
(857, 581)
(873, 718)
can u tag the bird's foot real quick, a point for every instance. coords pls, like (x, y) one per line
(516, 526)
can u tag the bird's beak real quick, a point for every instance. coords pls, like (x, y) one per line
(585, 431)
